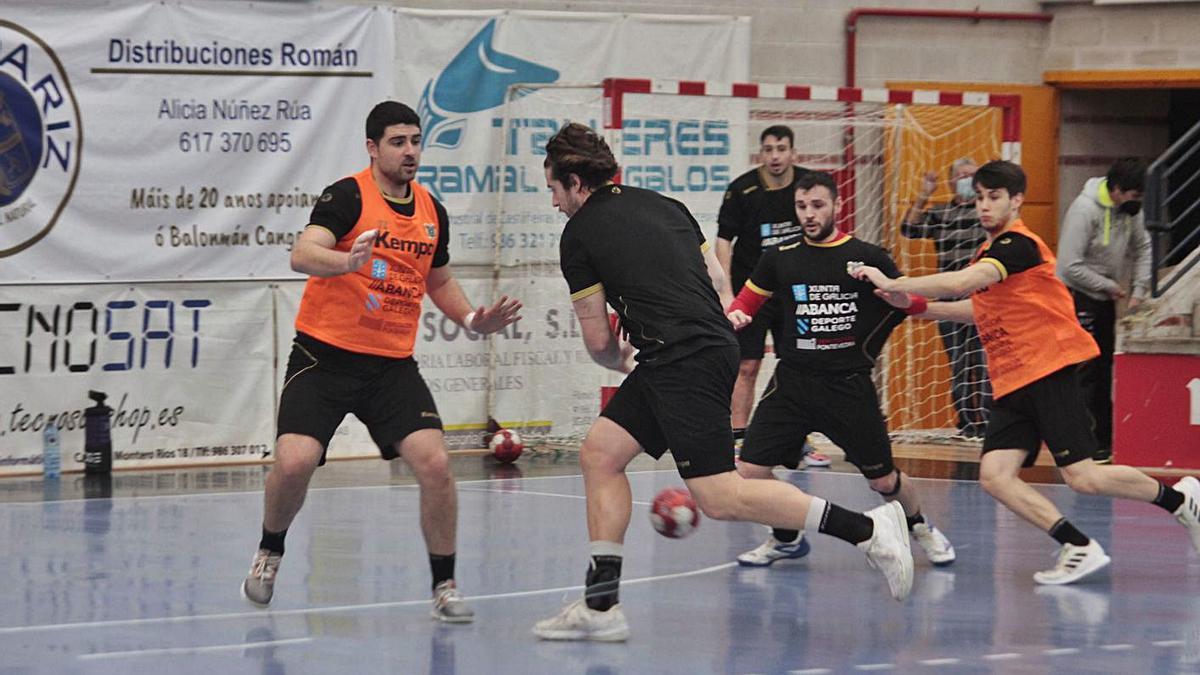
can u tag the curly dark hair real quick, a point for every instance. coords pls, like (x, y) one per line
(577, 149)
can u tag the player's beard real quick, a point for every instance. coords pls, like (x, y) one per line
(824, 233)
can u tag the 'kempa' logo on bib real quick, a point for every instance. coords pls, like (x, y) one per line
(40, 139)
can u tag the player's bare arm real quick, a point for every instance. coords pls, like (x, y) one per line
(954, 310)
(747, 303)
(719, 273)
(941, 285)
(724, 251)
(314, 254)
(444, 290)
(598, 335)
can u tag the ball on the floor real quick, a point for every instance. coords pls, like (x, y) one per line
(674, 513)
(506, 446)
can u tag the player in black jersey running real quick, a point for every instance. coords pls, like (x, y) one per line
(757, 214)
(833, 331)
(645, 255)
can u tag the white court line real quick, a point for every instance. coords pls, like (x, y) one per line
(810, 671)
(1167, 643)
(1063, 651)
(940, 662)
(1116, 647)
(875, 666)
(348, 488)
(1005, 656)
(535, 494)
(334, 609)
(172, 651)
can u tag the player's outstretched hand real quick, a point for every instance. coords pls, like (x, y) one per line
(897, 299)
(739, 319)
(872, 275)
(360, 250)
(491, 319)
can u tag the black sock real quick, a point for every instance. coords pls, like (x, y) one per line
(1168, 499)
(442, 567)
(914, 519)
(739, 434)
(1065, 533)
(785, 536)
(272, 541)
(603, 582)
(846, 525)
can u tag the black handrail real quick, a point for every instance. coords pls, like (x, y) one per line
(1159, 221)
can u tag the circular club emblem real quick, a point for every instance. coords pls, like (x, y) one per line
(40, 138)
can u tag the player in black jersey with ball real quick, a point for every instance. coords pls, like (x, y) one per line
(833, 331)
(645, 255)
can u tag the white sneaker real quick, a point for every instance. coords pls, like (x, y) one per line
(888, 549)
(814, 458)
(772, 549)
(1074, 563)
(579, 622)
(935, 544)
(449, 606)
(1188, 514)
(259, 586)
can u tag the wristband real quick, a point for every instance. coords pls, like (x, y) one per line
(468, 319)
(747, 301)
(917, 304)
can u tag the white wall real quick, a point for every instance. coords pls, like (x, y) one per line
(1086, 37)
(804, 40)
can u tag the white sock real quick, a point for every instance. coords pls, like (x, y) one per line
(816, 511)
(606, 548)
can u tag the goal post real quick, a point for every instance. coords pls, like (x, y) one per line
(689, 139)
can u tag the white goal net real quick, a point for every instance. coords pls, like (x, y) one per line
(690, 146)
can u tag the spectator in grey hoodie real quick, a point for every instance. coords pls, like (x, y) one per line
(1103, 246)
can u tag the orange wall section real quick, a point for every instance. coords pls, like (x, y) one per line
(1039, 145)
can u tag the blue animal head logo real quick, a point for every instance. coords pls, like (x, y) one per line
(476, 79)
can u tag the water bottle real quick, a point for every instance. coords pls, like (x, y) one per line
(97, 432)
(51, 451)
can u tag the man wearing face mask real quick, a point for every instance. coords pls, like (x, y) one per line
(954, 229)
(1102, 246)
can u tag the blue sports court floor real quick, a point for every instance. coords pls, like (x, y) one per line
(147, 581)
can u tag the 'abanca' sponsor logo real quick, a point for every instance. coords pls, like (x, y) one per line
(40, 138)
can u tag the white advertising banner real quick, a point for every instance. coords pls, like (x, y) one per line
(188, 372)
(483, 157)
(160, 141)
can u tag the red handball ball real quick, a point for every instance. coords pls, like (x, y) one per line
(674, 513)
(506, 446)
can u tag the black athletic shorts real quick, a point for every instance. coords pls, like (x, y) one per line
(684, 406)
(1051, 409)
(323, 383)
(752, 339)
(843, 406)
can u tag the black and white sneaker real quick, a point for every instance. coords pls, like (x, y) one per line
(1074, 563)
(1188, 514)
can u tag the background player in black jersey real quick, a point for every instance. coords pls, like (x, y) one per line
(833, 331)
(346, 360)
(755, 215)
(645, 255)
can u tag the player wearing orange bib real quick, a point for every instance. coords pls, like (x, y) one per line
(1034, 345)
(374, 247)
